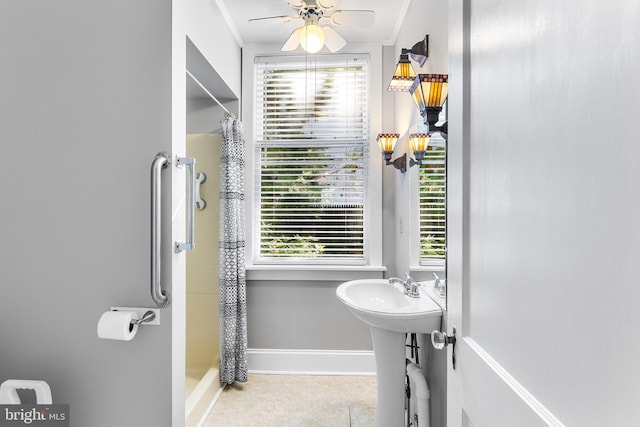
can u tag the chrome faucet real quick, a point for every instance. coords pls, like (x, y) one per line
(410, 286)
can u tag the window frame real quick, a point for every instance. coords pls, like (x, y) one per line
(417, 262)
(284, 145)
(428, 263)
(373, 267)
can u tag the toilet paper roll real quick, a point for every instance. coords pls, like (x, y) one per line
(116, 325)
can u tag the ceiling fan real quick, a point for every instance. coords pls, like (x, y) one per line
(312, 35)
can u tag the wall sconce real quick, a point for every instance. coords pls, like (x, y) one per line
(404, 76)
(418, 143)
(429, 91)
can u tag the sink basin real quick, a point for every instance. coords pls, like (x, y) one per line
(385, 306)
(390, 315)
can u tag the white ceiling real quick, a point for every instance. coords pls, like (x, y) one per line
(389, 15)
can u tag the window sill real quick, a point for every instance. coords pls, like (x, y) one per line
(432, 267)
(338, 273)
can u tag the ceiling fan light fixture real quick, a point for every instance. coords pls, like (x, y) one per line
(293, 41)
(332, 40)
(312, 38)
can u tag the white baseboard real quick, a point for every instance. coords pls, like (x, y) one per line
(311, 362)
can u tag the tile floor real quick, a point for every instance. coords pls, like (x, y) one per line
(296, 401)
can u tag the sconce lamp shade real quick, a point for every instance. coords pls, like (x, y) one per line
(429, 91)
(419, 141)
(403, 77)
(387, 141)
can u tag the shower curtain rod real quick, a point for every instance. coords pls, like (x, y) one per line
(207, 92)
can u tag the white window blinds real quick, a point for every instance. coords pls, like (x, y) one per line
(312, 132)
(433, 204)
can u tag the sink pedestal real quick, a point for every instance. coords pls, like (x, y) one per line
(390, 314)
(390, 353)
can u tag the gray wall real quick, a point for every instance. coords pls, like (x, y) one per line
(85, 106)
(302, 315)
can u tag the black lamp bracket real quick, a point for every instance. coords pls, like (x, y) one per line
(419, 52)
(401, 162)
(431, 115)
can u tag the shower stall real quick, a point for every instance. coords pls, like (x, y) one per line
(207, 100)
(202, 347)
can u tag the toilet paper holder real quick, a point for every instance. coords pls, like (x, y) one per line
(147, 317)
(144, 316)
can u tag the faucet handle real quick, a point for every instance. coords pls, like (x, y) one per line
(439, 286)
(412, 290)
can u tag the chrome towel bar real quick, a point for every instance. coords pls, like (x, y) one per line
(159, 296)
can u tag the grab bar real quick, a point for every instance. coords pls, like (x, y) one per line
(201, 177)
(190, 162)
(158, 295)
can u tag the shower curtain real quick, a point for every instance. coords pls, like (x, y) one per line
(233, 292)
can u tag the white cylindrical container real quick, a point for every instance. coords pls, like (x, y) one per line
(117, 325)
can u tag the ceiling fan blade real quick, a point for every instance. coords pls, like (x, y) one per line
(354, 18)
(323, 6)
(293, 41)
(297, 6)
(332, 40)
(281, 18)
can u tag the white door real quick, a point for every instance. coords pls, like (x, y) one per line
(85, 106)
(543, 208)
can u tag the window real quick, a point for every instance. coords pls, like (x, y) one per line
(312, 137)
(433, 204)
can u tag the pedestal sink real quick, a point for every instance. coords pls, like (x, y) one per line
(390, 314)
